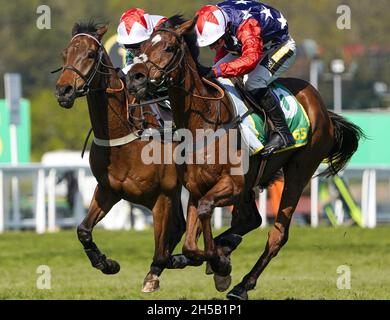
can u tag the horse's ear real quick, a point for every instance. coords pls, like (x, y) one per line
(75, 29)
(187, 26)
(102, 31)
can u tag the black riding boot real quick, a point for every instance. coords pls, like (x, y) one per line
(281, 137)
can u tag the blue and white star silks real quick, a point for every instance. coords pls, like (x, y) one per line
(242, 2)
(272, 23)
(267, 13)
(247, 14)
(283, 21)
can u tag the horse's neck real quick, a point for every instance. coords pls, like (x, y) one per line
(108, 111)
(187, 109)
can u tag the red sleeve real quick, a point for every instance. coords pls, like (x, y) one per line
(249, 34)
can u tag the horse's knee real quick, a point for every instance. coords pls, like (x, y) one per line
(84, 235)
(205, 209)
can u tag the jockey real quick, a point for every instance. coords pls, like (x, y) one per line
(135, 27)
(252, 40)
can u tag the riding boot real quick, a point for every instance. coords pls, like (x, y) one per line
(281, 137)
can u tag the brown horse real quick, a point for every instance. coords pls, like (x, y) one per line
(167, 59)
(115, 156)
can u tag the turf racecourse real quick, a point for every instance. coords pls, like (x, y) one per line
(305, 269)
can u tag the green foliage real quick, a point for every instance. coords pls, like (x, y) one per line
(57, 128)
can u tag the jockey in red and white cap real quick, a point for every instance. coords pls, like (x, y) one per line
(252, 40)
(135, 27)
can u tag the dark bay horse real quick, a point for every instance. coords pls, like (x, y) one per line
(167, 59)
(115, 156)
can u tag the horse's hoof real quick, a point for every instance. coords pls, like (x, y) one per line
(222, 267)
(222, 283)
(112, 267)
(237, 293)
(209, 270)
(151, 284)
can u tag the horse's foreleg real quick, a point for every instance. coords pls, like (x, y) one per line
(297, 174)
(161, 216)
(193, 231)
(224, 193)
(101, 204)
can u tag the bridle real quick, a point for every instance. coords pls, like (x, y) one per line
(174, 64)
(86, 88)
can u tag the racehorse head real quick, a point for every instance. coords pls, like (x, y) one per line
(160, 63)
(81, 61)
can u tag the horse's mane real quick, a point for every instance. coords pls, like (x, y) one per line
(90, 27)
(190, 38)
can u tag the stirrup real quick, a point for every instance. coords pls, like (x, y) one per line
(273, 145)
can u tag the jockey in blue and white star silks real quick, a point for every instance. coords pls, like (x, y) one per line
(251, 40)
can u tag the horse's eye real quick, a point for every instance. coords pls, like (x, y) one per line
(170, 49)
(91, 55)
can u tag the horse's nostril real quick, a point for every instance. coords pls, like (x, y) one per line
(68, 90)
(139, 76)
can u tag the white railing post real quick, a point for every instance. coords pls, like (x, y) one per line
(15, 202)
(218, 212)
(369, 198)
(79, 210)
(339, 211)
(371, 219)
(40, 212)
(365, 196)
(263, 207)
(51, 200)
(2, 212)
(314, 199)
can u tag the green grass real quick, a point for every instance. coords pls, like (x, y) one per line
(305, 268)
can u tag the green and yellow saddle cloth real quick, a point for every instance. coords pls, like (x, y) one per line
(253, 128)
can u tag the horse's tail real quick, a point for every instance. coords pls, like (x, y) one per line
(346, 141)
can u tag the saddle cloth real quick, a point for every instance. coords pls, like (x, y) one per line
(253, 127)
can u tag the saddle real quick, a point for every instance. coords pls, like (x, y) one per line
(252, 105)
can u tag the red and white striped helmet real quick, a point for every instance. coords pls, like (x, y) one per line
(211, 25)
(136, 26)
